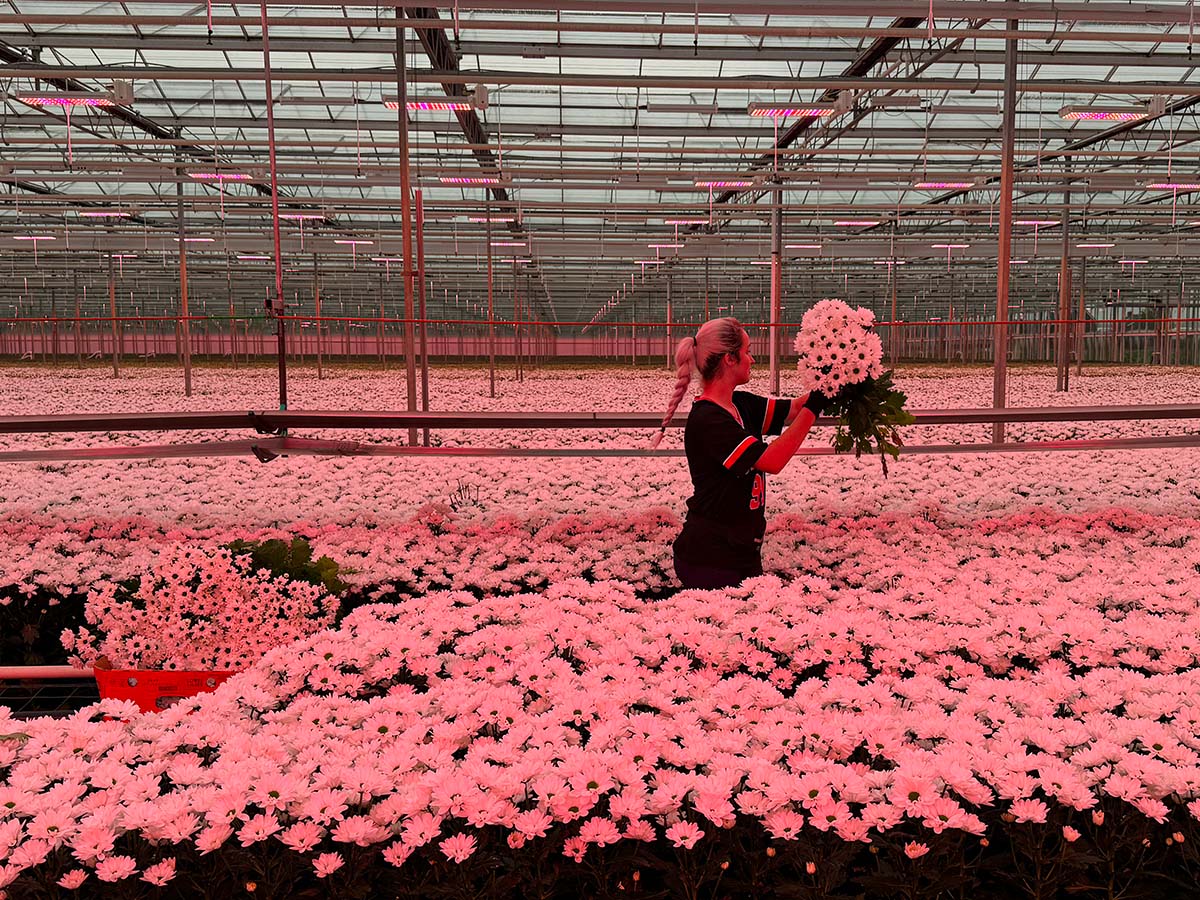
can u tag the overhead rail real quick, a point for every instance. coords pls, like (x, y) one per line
(275, 424)
(273, 420)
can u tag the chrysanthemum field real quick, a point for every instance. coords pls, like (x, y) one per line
(977, 678)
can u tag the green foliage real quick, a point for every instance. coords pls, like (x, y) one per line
(869, 415)
(295, 560)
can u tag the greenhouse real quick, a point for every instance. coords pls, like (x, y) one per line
(678, 449)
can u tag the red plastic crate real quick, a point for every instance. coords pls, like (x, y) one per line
(153, 690)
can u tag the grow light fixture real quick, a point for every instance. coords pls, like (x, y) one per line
(1017, 262)
(196, 240)
(1036, 222)
(34, 237)
(1097, 246)
(950, 246)
(735, 183)
(1174, 185)
(495, 220)
(219, 176)
(1104, 113)
(352, 241)
(891, 262)
(760, 262)
(852, 222)
(775, 111)
(1134, 262)
(302, 217)
(664, 246)
(251, 256)
(943, 185)
(802, 246)
(685, 221)
(477, 99)
(470, 179)
(102, 214)
(508, 243)
(120, 95)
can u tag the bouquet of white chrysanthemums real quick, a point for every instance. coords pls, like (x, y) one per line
(841, 357)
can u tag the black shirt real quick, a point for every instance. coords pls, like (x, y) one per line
(727, 513)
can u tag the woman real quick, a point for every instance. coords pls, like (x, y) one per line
(721, 542)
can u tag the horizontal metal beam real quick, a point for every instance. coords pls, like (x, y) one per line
(43, 673)
(537, 49)
(290, 419)
(678, 82)
(270, 448)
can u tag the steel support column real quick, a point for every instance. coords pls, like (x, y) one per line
(278, 304)
(1004, 252)
(410, 364)
(776, 283)
(181, 231)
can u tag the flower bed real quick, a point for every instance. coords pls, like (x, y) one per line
(833, 739)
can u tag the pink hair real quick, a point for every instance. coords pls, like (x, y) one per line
(702, 354)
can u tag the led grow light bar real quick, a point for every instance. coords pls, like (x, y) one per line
(774, 111)
(1104, 113)
(102, 214)
(302, 217)
(724, 184)
(1099, 246)
(219, 176)
(1174, 185)
(1035, 221)
(943, 185)
(851, 222)
(469, 179)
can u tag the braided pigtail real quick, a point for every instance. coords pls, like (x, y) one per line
(685, 363)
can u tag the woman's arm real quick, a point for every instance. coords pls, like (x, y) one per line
(781, 450)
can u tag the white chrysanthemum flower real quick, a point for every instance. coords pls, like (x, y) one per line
(837, 347)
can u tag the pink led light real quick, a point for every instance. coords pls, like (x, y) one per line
(251, 256)
(802, 246)
(352, 242)
(34, 237)
(495, 220)
(1094, 246)
(686, 221)
(648, 262)
(760, 262)
(1035, 221)
(387, 259)
(664, 246)
(1134, 262)
(219, 176)
(123, 255)
(724, 184)
(944, 185)
(66, 100)
(469, 179)
(302, 216)
(430, 105)
(196, 240)
(846, 222)
(780, 112)
(102, 214)
(1017, 262)
(1102, 114)
(891, 262)
(508, 243)
(1174, 186)
(950, 246)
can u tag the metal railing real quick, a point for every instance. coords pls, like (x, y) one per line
(273, 426)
